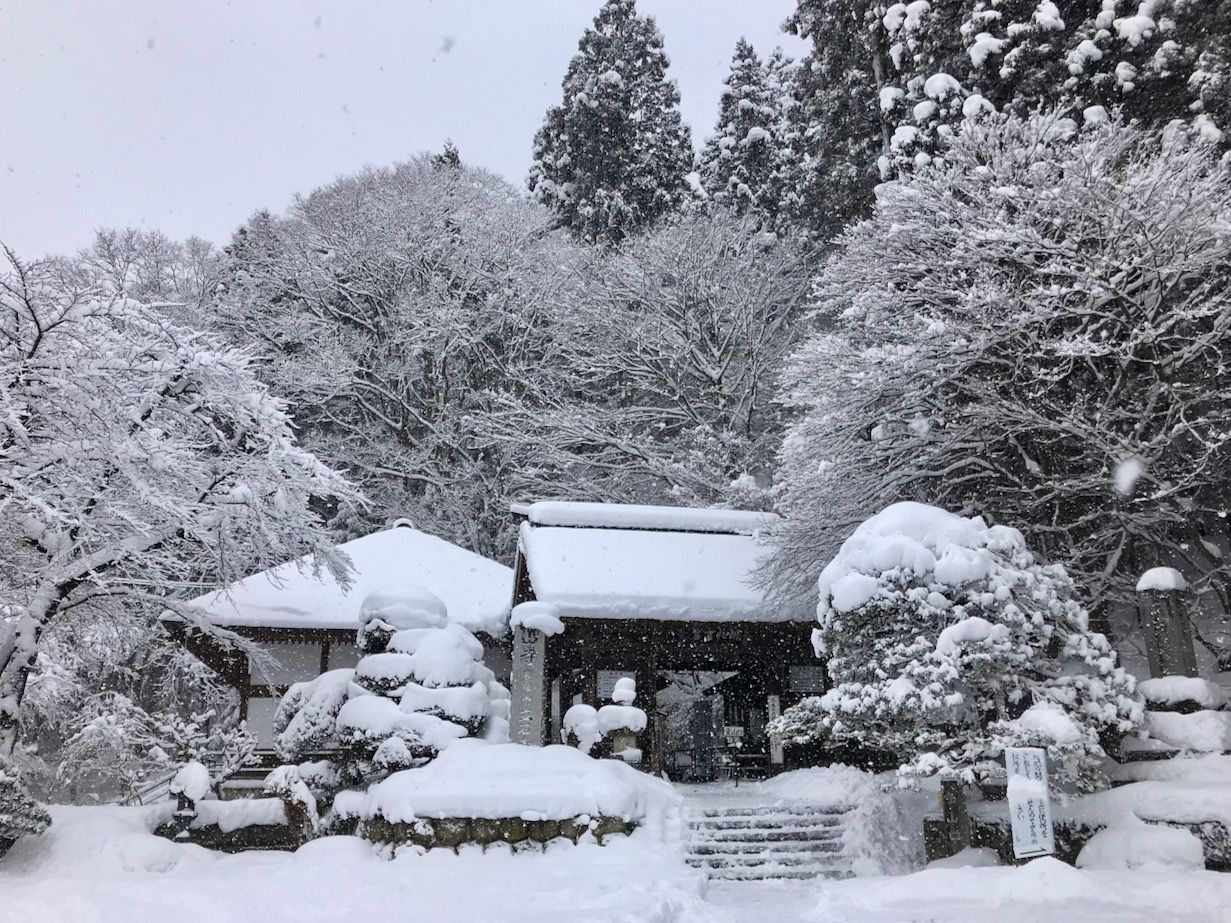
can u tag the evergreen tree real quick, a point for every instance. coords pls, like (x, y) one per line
(838, 134)
(984, 343)
(419, 685)
(449, 157)
(614, 155)
(739, 161)
(947, 642)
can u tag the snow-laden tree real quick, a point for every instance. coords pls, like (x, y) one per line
(946, 641)
(613, 156)
(838, 134)
(419, 685)
(739, 163)
(1033, 332)
(140, 463)
(1155, 60)
(666, 370)
(397, 306)
(115, 701)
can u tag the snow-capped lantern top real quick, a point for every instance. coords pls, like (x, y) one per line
(625, 691)
(192, 781)
(1162, 580)
(404, 607)
(947, 549)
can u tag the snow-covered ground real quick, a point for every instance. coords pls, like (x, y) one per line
(1043, 891)
(99, 865)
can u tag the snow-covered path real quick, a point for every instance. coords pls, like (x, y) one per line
(763, 901)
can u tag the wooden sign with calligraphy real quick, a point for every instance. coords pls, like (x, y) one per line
(1029, 802)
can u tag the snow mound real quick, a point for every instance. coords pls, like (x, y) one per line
(1049, 721)
(192, 781)
(1200, 732)
(539, 616)
(477, 779)
(1133, 844)
(925, 540)
(1173, 690)
(1161, 579)
(404, 607)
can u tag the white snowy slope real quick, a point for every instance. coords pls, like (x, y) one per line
(476, 590)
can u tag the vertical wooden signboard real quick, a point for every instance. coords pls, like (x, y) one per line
(1029, 802)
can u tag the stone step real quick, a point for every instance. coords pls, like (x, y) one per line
(767, 873)
(771, 810)
(743, 834)
(780, 848)
(752, 860)
(819, 823)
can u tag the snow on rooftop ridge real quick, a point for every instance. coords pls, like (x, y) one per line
(634, 516)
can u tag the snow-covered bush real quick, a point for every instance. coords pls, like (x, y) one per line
(419, 686)
(946, 641)
(20, 814)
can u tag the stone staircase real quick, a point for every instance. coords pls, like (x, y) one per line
(755, 842)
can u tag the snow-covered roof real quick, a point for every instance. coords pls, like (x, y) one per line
(632, 516)
(476, 590)
(592, 560)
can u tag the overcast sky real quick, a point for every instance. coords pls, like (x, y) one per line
(188, 116)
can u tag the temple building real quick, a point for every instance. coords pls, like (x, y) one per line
(669, 597)
(304, 623)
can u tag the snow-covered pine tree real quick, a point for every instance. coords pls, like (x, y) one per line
(946, 641)
(739, 161)
(613, 157)
(838, 133)
(419, 685)
(1155, 61)
(984, 342)
(781, 78)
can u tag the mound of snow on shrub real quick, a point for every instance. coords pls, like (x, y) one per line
(477, 779)
(1132, 844)
(403, 607)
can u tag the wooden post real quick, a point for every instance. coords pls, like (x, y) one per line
(1164, 617)
(957, 818)
(529, 682)
(647, 698)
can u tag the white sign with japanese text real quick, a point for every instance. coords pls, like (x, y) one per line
(1029, 802)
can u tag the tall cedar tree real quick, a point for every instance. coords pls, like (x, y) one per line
(613, 157)
(739, 162)
(886, 87)
(839, 135)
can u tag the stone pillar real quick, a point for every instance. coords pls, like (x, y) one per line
(957, 817)
(529, 693)
(1164, 618)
